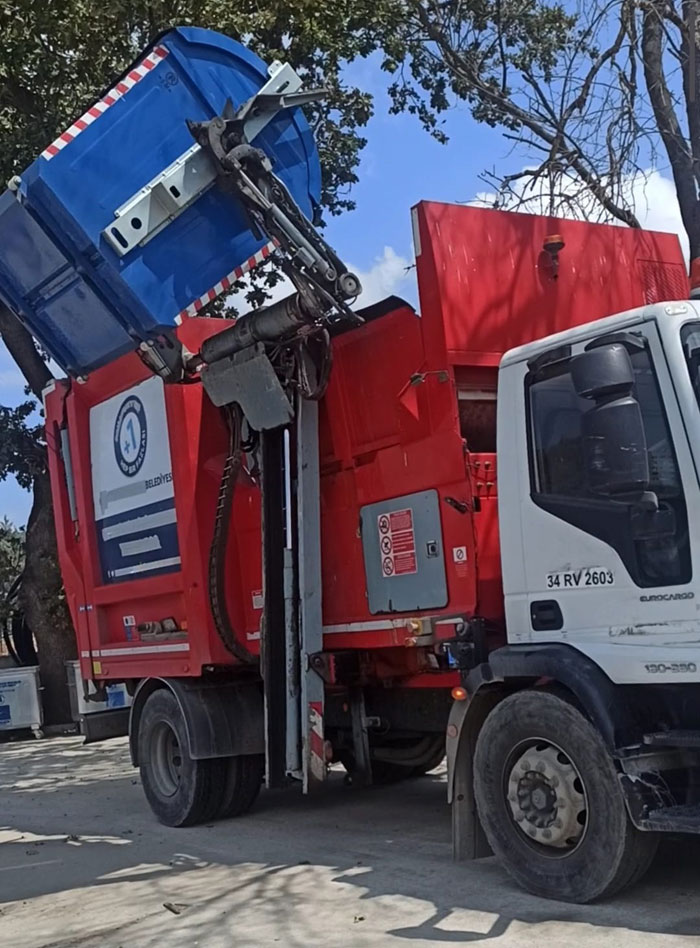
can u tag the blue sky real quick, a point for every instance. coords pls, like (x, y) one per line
(400, 166)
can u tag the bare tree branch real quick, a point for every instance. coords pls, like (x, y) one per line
(551, 131)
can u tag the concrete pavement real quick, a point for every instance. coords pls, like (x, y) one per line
(83, 863)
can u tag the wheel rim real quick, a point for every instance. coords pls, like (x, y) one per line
(546, 797)
(166, 759)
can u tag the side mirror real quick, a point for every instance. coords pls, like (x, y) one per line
(615, 445)
(602, 372)
(615, 448)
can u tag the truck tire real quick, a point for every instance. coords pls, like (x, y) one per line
(434, 762)
(383, 771)
(181, 791)
(244, 776)
(550, 802)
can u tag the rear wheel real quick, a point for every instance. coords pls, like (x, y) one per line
(244, 776)
(427, 750)
(550, 802)
(181, 791)
(434, 762)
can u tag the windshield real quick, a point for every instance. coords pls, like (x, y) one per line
(690, 337)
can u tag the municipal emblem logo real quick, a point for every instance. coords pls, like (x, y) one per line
(130, 436)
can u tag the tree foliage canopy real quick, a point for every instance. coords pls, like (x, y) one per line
(58, 55)
(11, 562)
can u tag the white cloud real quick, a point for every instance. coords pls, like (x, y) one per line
(388, 274)
(656, 205)
(651, 195)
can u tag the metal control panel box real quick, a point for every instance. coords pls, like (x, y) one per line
(403, 550)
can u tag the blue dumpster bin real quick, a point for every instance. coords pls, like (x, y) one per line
(65, 268)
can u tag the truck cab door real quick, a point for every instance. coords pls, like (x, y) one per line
(607, 539)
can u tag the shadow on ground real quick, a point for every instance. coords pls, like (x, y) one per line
(76, 831)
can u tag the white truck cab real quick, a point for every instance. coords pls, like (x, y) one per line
(599, 492)
(578, 742)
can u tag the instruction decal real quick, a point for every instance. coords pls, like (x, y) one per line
(397, 542)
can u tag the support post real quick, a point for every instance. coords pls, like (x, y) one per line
(291, 621)
(273, 638)
(310, 604)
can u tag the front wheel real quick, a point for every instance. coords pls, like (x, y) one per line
(550, 802)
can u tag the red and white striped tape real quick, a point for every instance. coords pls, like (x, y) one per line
(317, 757)
(122, 87)
(226, 282)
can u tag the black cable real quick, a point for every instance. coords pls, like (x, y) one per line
(219, 544)
(322, 359)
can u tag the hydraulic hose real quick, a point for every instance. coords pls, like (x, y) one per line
(217, 552)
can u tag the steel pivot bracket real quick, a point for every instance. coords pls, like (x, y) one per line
(279, 93)
(171, 192)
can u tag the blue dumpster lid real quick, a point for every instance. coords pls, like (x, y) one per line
(86, 302)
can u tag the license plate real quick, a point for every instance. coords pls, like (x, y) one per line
(584, 578)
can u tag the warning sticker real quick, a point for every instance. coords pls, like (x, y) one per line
(397, 541)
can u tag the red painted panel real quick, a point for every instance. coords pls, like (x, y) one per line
(390, 424)
(486, 284)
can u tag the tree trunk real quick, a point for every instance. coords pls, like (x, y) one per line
(43, 601)
(23, 350)
(42, 597)
(678, 148)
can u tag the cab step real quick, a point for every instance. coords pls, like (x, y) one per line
(674, 819)
(674, 738)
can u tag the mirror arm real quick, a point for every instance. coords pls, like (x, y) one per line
(647, 500)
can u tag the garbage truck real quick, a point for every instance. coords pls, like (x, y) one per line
(319, 534)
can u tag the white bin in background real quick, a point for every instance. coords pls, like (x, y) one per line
(20, 702)
(117, 695)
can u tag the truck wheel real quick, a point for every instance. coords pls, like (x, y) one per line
(550, 802)
(244, 776)
(181, 791)
(431, 765)
(383, 771)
